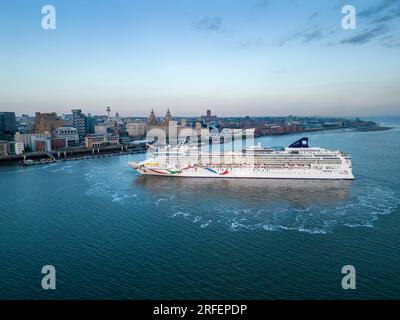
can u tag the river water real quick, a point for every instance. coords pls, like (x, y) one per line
(112, 234)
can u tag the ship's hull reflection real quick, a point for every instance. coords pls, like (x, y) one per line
(296, 192)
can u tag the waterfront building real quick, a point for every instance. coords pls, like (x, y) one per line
(169, 129)
(98, 140)
(154, 127)
(111, 139)
(106, 127)
(41, 144)
(17, 148)
(128, 140)
(47, 122)
(152, 120)
(11, 147)
(70, 134)
(8, 123)
(4, 148)
(136, 129)
(58, 143)
(167, 118)
(80, 123)
(94, 140)
(26, 138)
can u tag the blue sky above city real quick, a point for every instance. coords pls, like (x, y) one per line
(248, 57)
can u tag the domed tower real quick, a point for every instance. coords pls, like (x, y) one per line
(168, 117)
(152, 118)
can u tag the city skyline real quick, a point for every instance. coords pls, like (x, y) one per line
(201, 113)
(255, 58)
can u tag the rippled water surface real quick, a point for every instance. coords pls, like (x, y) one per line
(113, 234)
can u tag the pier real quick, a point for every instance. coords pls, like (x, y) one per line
(72, 154)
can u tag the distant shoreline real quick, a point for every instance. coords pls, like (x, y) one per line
(62, 156)
(372, 128)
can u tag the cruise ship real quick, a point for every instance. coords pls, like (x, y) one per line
(297, 161)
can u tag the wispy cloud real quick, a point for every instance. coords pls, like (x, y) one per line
(313, 16)
(389, 16)
(312, 36)
(210, 24)
(366, 35)
(307, 35)
(376, 21)
(251, 44)
(375, 10)
(390, 42)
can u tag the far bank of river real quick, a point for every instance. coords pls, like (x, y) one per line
(35, 158)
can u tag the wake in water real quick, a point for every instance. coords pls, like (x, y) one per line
(315, 207)
(105, 186)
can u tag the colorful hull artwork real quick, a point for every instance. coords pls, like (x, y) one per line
(177, 172)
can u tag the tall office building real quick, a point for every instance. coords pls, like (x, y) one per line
(8, 123)
(90, 124)
(47, 122)
(80, 123)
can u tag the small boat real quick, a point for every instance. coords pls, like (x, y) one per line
(28, 162)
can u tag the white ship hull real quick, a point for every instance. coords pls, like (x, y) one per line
(259, 163)
(248, 174)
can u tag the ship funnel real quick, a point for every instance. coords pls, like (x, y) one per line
(301, 143)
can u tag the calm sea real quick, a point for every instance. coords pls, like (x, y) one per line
(113, 234)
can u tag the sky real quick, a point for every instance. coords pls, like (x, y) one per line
(235, 57)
